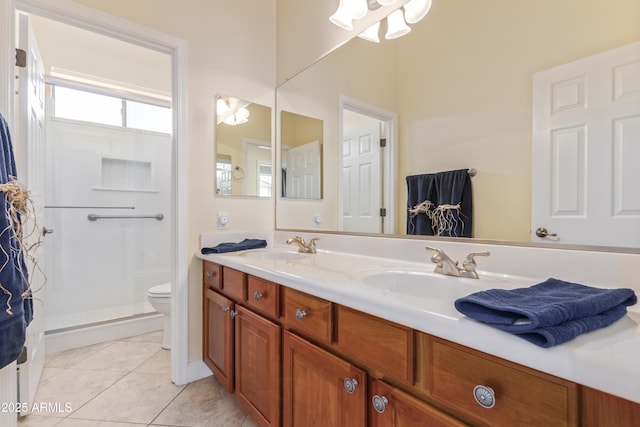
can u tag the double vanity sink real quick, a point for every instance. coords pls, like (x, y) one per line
(413, 295)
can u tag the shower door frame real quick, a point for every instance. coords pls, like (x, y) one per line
(95, 21)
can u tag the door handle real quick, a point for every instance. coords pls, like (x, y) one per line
(543, 232)
(46, 231)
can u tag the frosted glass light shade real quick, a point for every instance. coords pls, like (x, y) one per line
(221, 106)
(357, 8)
(415, 10)
(396, 27)
(342, 18)
(385, 2)
(371, 33)
(240, 116)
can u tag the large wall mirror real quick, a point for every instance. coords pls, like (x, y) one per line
(243, 148)
(460, 84)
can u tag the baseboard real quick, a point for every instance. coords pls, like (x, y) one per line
(56, 341)
(197, 370)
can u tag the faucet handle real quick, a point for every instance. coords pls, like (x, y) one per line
(471, 257)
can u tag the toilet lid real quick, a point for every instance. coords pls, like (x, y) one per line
(163, 290)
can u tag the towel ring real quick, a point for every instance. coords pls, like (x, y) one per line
(237, 174)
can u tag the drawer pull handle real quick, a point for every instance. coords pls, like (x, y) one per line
(233, 313)
(210, 274)
(485, 396)
(379, 403)
(300, 314)
(350, 385)
(257, 296)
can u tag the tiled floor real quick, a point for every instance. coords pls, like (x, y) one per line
(127, 383)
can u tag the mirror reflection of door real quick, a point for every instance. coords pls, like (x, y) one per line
(366, 166)
(361, 174)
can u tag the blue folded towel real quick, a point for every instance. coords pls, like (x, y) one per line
(549, 313)
(232, 246)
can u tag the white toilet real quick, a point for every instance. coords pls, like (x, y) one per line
(160, 298)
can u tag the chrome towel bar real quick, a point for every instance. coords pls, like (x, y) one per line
(95, 217)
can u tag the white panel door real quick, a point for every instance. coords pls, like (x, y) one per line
(586, 150)
(31, 170)
(303, 171)
(362, 179)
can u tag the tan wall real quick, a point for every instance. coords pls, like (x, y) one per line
(231, 50)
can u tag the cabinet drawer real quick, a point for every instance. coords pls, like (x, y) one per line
(389, 406)
(263, 296)
(233, 283)
(307, 314)
(523, 397)
(211, 274)
(383, 345)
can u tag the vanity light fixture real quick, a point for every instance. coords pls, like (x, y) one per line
(239, 117)
(348, 10)
(411, 13)
(222, 107)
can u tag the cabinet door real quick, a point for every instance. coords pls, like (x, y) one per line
(218, 337)
(390, 407)
(258, 367)
(320, 389)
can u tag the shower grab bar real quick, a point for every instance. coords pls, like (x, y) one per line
(88, 207)
(95, 217)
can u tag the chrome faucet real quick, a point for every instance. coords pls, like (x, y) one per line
(302, 245)
(445, 265)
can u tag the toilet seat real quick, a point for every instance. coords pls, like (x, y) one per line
(160, 291)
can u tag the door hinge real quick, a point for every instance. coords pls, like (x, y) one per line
(383, 212)
(21, 58)
(383, 142)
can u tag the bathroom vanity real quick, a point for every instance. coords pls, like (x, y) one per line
(317, 339)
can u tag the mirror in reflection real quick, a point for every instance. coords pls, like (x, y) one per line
(243, 148)
(301, 156)
(461, 84)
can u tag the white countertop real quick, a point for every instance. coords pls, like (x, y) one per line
(606, 359)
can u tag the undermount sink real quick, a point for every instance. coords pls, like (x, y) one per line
(274, 254)
(419, 283)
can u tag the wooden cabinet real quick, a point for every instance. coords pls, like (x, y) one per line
(601, 409)
(486, 390)
(296, 360)
(218, 342)
(320, 389)
(390, 407)
(241, 347)
(257, 360)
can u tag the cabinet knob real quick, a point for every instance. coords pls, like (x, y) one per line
(257, 295)
(300, 314)
(225, 309)
(350, 385)
(233, 314)
(485, 396)
(379, 403)
(210, 274)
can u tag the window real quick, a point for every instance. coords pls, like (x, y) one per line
(223, 175)
(87, 106)
(264, 179)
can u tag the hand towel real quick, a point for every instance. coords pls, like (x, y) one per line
(549, 313)
(233, 246)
